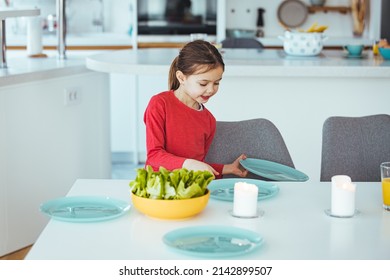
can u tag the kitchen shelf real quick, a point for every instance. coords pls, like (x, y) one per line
(325, 9)
(10, 12)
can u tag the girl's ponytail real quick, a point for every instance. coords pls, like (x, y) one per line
(173, 82)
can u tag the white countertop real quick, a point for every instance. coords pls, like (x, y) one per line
(22, 69)
(247, 62)
(123, 39)
(239, 63)
(294, 226)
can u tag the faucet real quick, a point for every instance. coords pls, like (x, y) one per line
(3, 47)
(61, 29)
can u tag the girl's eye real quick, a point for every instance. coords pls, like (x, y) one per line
(205, 84)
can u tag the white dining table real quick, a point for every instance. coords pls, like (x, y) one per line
(294, 227)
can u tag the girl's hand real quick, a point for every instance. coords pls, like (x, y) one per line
(192, 164)
(235, 167)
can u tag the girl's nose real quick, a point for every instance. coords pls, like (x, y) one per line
(212, 89)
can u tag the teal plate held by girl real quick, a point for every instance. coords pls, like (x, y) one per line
(213, 241)
(273, 170)
(223, 189)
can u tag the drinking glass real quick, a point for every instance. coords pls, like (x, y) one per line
(385, 176)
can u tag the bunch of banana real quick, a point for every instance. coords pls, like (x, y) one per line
(383, 43)
(316, 28)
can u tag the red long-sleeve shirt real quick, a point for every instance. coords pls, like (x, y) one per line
(176, 132)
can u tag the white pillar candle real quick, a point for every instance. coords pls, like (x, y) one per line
(245, 200)
(34, 36)
(343, 196)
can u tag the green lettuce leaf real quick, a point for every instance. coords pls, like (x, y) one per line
(163, 184)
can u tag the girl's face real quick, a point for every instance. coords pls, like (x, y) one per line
(200, 87)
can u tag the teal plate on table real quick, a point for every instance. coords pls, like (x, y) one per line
(273, 170)
(213, 241)
(223, 189)
(83, 209)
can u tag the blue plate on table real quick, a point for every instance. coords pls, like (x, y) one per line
(223, 189)
(213, 241)
(273, 170)
(84, 208)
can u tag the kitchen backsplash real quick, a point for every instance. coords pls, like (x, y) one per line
(242, 14)
(114, 16)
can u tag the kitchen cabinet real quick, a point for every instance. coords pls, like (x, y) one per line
(46, 143)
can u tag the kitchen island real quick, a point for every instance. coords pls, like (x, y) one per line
(296, 93)
(49, 138)
(23, 69)
(248, 63)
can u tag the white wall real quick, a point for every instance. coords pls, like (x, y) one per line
(339, 25)
(45, 146)
(123, 108)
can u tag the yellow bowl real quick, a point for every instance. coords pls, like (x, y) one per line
(170, 209)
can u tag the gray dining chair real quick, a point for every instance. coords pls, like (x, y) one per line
(243, 43)
(355, 146)
(257, 138)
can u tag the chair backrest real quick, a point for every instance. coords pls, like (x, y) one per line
(257, 138)
(355, 146)
(247, 43)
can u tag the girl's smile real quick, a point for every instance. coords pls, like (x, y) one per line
(205, 98)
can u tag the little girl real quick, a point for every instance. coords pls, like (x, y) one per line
(179, 128)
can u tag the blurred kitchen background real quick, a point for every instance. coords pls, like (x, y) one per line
(182, 17)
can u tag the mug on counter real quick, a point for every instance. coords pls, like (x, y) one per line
(354, 50)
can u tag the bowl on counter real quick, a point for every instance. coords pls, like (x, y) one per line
(303, 43)
(385, 53)
(170, 209)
